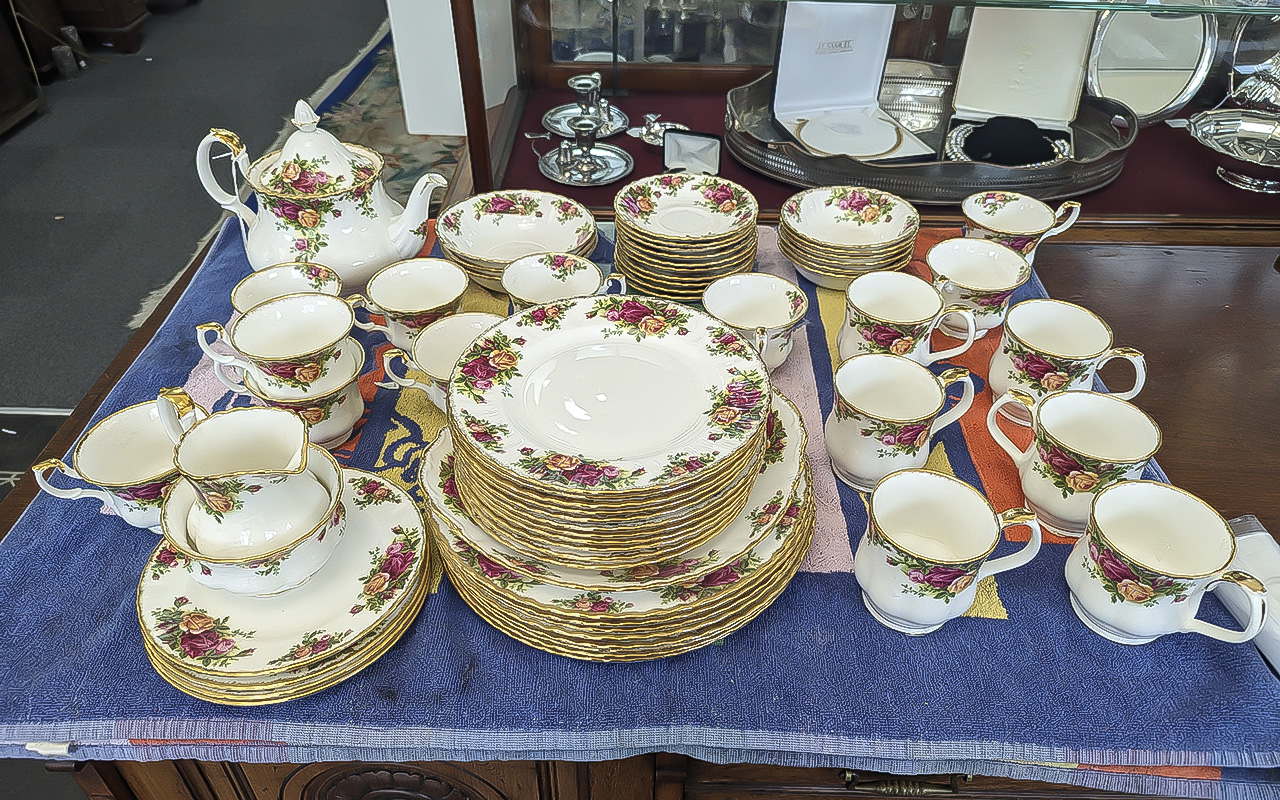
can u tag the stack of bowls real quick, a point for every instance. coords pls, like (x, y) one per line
(485, 233)
(836, 233)
(677, 233)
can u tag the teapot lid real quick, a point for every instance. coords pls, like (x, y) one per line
(313, 162)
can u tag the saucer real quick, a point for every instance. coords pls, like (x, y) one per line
(337, 374)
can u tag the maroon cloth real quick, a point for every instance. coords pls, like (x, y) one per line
(1166, 171)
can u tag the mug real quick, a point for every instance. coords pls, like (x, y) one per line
(893, 312)
(978, 275)
(1050, 345)
(435, 352)
(1148, 556)
(1084, 442)
(1015, 220)
(759, 305)
(279, 280)
(548, 277)
(888, 409)
(290, 341)
(927, 545)
(129, 456)
(413, 294)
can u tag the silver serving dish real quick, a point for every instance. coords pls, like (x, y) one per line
(921, 92)
(1246, 145)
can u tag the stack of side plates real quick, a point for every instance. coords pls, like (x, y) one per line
(676, 233)
(651, 610)
(836, 233)
(243, 650)
(486, 232)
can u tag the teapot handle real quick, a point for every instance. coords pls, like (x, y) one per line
(204, 167)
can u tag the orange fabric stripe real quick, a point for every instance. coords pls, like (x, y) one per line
(431, 239)
(1196, 773)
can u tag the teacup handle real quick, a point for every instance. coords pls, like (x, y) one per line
(1064, 218)
(66, 494)
(970, 332)
(761, 339)
(369, 305)
(1018, 455)
(1257, 609)
(956, 374)
(218, 358)
(614, 279)
(1139, 362)
(398, 382)
(177, 411)
(1008, 519)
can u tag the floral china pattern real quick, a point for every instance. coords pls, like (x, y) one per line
(490, 362)
(897, 439)
(725, 198)
(146, 495)
(567, 210)
(1126, 580)
(512, 204)
(712, 582)
(313, 413)
(372, 492)
(991, 202)
(594, 602)
(727, 342)
(787, 521)
(389, 571)
(883, 337)
(671, 568)
(503, 576)
(989, 302)
(420, 320)
(166, 559)
(861, 206)
(927, 578)
(639, 199)
(302, 373)
(312, 643)
(486, 434)
(775, 440)
(1043, 373)
(562, 266)
(1073, 472)
(318, 275)
(339, 514)
(222, 497)
(764, 515)
(1020, 244)
(735, 409)
(192, 633)
(449, 488)
(639, 319)
(685, 464)
(566, 470)
(304, 216)
(548, 317)
(452, 222)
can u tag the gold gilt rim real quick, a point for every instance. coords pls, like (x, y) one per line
(1160, 571)
(844, 270)
(943, 380)
(312, 400)
(659, 265)
(491, 266)
(620, 214)
(466, 281)
(231, 329)
(251, 175)
(333, 276)
(301, 467)
(517, 299)
(1111, 339)
(1024, 269)
(625, 264)
(690, 287)
(75, 451)
(871, 516)
(831, 257)
(1112, 398)
(941, 312)
(629, 240)
(743, 230)
(905, 242)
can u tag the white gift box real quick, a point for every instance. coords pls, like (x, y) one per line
(691, 151)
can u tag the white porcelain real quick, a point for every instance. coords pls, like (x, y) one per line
(1051, 345)
(130, 456)
(320, 200)
(888, 409)
(765, 309)
(413, 294)
(497, 228)
(894, 312)
(279, 280)
(1150, 553)
(291, 341)
(851, 217)
(348, 361)
(1015, 220)
(927, 546)
(548, 277)
(290, 562)
(435, 351)
(682, 205)
(1083, 442)
(979, 275)
(253, 490)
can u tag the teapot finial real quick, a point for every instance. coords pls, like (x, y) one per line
(305, 117)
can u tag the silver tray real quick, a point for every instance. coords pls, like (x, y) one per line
(919, 95)
(557, 121)
(614, 164)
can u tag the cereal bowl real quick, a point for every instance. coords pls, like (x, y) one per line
(496, 228)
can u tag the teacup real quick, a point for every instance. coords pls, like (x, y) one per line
(758, 305)
(1015, 220)
(284, 567)
(893, 312)
(888, 409)
(1084, 442)
(1148, 556)
(927, 545)
(290, 341)
(548, 277)
(436, 352)
(978, 275)
(129, 456)
(413, 294)
(1050, 345)
(279, 280)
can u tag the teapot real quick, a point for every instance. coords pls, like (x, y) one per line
(320, 200)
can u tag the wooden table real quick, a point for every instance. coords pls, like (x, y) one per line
(1204, 316)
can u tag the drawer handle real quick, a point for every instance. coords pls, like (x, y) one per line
(901, 787)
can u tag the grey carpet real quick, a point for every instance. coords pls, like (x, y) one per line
(114, 157)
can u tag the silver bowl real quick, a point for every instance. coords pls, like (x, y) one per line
(1246, 145)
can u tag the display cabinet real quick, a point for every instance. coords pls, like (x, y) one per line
(713, 65)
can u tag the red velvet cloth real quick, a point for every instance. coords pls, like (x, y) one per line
(1166, 171)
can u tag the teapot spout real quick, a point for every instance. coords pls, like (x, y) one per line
(408, 231)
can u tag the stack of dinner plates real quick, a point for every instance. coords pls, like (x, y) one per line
(615, 482)
(676, 233)
(486, 232)
(836, 233)
(242, 650)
